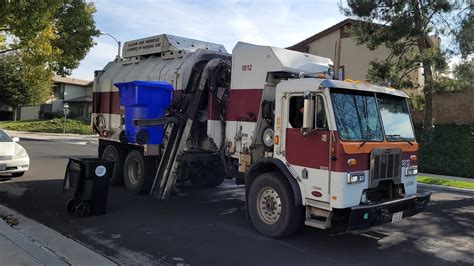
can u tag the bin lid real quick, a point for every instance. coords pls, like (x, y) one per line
(146, 83)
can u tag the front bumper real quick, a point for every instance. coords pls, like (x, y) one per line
(365, 216)
(15, 166)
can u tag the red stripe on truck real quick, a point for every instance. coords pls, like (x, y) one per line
(106, 102)
(109, 102)
(310, 150)
(242, 104)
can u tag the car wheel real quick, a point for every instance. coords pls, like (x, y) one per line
(138, 172)
(272, 207)
(117, 155)
(18, 174)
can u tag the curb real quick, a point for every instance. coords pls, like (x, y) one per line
(49, 134)
(447, 177)
(447, 188)
(54, 137)
(37, 235)
(45, 134)
(32, 250)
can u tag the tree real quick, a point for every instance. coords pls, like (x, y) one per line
(405, 27)
(39, 38)
(22, 84)
(464, 75)
(465, 32)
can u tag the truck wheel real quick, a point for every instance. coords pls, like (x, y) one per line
(138, 172)
(206, 177)
(272, 207)
(117, 155)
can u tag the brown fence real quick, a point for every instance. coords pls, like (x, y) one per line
(450, 108)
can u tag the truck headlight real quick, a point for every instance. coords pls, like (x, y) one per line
(21, 154)
(411, 170)
(355, 178)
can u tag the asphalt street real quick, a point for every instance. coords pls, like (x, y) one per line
(209, 226)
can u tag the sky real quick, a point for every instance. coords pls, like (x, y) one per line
(266, 22)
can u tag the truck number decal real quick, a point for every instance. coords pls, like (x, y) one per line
(246, 67)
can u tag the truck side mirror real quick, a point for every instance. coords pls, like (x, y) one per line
(308, 115)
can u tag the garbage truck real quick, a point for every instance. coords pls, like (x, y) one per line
(309, 149)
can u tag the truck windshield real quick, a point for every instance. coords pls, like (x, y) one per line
(357, 117)
(395, 117)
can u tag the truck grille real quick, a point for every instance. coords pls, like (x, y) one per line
(385, 164)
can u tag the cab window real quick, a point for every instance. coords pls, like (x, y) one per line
(296, 112)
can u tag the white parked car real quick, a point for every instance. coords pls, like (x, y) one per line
(14, 159)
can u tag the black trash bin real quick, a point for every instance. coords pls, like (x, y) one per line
(88, 179)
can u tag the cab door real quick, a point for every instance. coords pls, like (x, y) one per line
(308, 154)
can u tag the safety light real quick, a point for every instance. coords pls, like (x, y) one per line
(412, 170)
(413, 158)
(276, 139)
(355, 178)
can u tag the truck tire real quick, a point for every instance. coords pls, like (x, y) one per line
(138, 172)
(117, 155)
(206, 177)
(272, 207)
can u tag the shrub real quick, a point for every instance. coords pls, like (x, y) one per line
(451, 153)
(49, 126)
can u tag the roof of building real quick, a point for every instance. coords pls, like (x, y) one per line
(323, 33)
(337, 26)
(82, 99)
(73, 81)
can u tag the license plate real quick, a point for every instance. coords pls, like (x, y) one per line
(3, 167)
(397, 216)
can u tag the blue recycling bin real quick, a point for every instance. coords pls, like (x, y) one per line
(144, 100)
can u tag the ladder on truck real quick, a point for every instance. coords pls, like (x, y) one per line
(181, 124)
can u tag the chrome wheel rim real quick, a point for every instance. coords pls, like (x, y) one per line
(269, 205)
(134, 172)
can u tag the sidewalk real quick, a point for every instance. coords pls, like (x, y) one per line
(447, 177)
(68, 138)
(31, 243)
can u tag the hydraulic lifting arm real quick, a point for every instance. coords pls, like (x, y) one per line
(181, 124)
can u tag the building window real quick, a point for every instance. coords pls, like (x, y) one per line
(58, 90)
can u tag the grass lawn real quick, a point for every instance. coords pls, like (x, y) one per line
(445, 182)
(48, 126)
